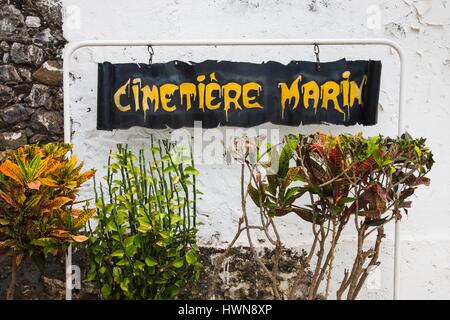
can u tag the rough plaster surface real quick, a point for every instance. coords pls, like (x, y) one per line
(420, 27)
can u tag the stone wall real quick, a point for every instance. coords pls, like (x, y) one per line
(240, 277)
(31, 104)
(31, 99)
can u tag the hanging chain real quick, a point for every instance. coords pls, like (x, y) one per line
(316, 52)
(151, 52)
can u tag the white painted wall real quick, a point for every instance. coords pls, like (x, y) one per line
(420, 27)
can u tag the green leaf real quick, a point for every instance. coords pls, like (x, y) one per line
(254, 194)
(169, 169)
(129, 241)
(117, 253)
(189, 170)
(175, 179)
(124, 285)
(144, 224)
(293, 194)
(273, 183)
(131, 250)
(161, 243)
(43, 242)
(116, 274)
(418, 151)
(291, 175)
(109, 207)
(376, 222)
(175, 218)
(285, 157)
(121, 198)
(139, 265)
(122, 262)
(191, 256)
(178, 263)
(91, 275)
(307, 215)
(150, 261)
(346, 200)
(106, 291)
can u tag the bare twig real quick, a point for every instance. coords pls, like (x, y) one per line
(330, 263)
(273, 280)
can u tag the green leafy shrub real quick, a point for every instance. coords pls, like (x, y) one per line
(144, 246)
(38, 186)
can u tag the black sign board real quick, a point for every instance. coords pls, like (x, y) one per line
(176, 93)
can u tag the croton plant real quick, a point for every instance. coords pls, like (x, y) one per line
(332, 183)
(38, 187)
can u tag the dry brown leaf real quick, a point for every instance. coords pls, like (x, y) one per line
(34, 185)
(79, 238)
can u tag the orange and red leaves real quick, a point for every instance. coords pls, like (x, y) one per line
(85, 215)
(316, 148)
(11, 170)
(8, 199)
(49, 182)
(414, 181)
(57, 203)
(365, 165)
(60, 233)
(87, 175)
(336, 158)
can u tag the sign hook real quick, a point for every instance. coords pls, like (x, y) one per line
(151, 52)
(316, 52)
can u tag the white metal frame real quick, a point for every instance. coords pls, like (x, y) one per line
(72, 47)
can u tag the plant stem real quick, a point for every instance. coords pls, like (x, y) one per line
(273, 280)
